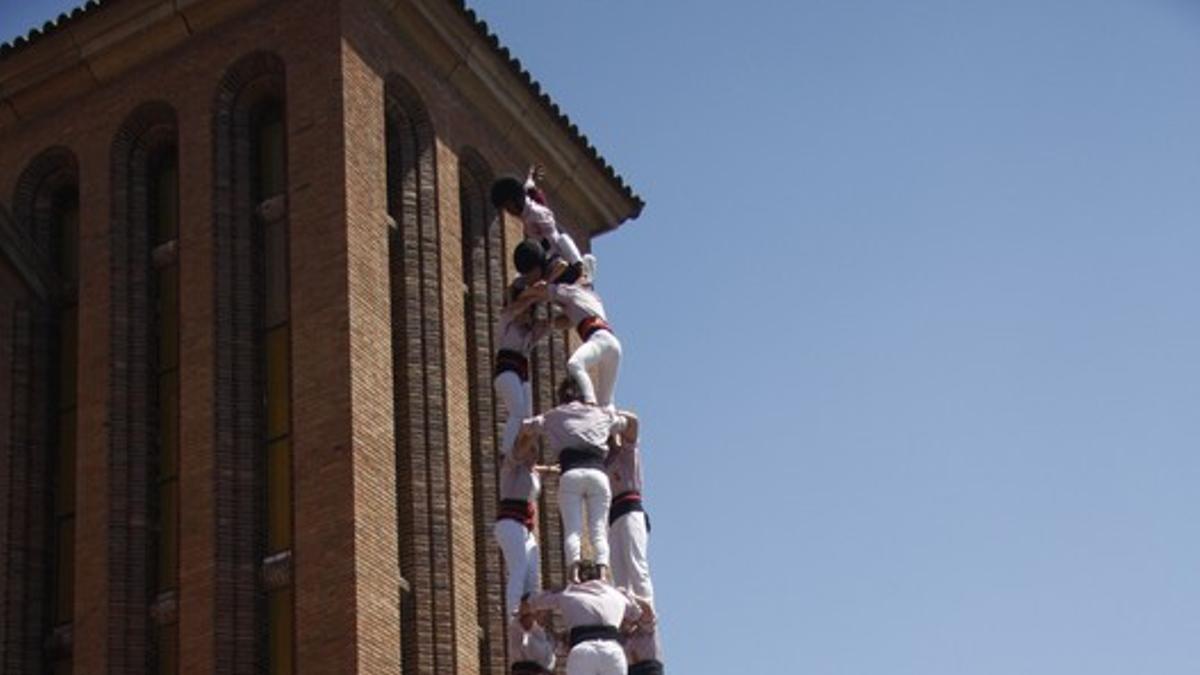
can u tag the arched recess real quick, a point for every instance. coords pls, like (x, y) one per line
(253, 482)
(144, 393)
(484, 280)
(37, 452)
(423, 502)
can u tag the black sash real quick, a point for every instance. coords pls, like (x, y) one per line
(651, 667)
(626, 502)
(527, 668)
(518, 510)
(581, 458)
(596, 632)
(509, 360)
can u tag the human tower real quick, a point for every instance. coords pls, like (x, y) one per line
(607, 605)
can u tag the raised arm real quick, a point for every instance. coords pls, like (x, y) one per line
(538, 292)
(630, 432)
(525, 448)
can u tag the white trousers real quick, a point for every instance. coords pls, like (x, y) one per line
(521, 559)
(518, 404)
(576, 488)
(601, 354)
(597, 657)
(627, 543)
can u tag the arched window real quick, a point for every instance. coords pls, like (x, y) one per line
(144, 385)
(423, 501)
(41, 502)
(483, 278)
(253, 365)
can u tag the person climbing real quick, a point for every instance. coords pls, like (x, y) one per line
(594, 611)
(530, 645)
(628, 524)
(643, 651)
(600, 350)
(528, 202)
(514, 531)
(516, 332)
(577, 439)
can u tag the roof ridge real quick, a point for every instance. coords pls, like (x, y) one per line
(22, 42)
(549, 105)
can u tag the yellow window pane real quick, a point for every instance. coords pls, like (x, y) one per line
(279, 631)
(278, 376)
(168, 424)
(275, 274)
(64, 488)
(68, 355)
(168, 535)
(279, 496)
(168, 317)
(64, 580)
(167, 649)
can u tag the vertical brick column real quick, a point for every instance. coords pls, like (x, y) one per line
(377, 573)
(92, 485)
(325, 446)
(458, 417)
(197, 437)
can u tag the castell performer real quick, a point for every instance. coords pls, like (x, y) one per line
(516, 332)
(527, 202)
(628, 524)
(594, 611)
(643, 651)
(577, 439)
(530, 647)
(519, 488)
(600, 351)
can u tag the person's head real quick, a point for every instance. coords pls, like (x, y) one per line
(589, 570)
(530, 260)
(569, 391)
(508, 194)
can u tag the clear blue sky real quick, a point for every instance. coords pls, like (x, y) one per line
(912, 318)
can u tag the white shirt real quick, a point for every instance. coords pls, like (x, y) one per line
(512, 335)
(539, 225)
(643, 644)
(577, 425)
(591, 603)
(577, 302)
(518, 481)
(533, 645)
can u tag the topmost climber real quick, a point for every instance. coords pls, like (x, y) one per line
(529, 203)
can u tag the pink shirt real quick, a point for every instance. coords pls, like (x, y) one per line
(577, 425)
(577, 302)
(533, 645)
(624, 468)
(518, 481)
(590, 603)
(642, 644)
(513, 336)
(539, 225)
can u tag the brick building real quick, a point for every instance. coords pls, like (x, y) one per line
(248, 278)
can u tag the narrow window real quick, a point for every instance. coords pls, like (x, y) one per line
(163, 221)
(269, 183)
(65, 224)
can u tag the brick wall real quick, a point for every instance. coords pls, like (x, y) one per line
(387, 470)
